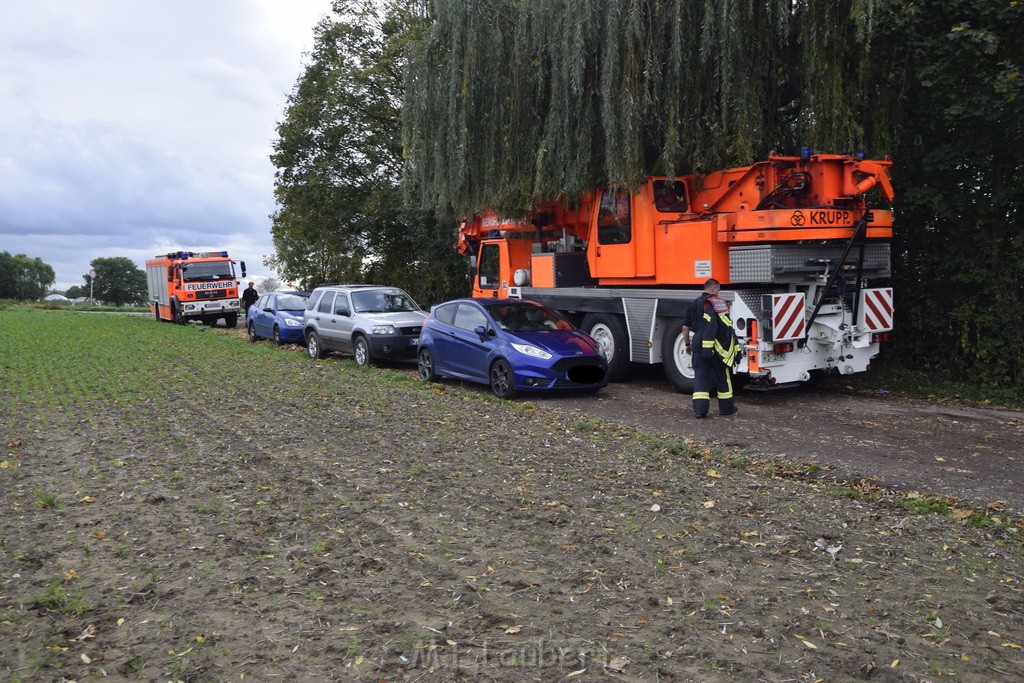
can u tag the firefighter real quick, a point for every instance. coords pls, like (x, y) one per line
(708, 318)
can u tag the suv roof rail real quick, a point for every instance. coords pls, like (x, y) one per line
(349, 285)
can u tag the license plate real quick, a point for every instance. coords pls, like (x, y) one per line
(772, 357)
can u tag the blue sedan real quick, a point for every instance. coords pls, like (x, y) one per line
(277, 316)
(510, 345)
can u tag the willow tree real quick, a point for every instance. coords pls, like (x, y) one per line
(510, 100)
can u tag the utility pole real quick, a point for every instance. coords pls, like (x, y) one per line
(92, 278)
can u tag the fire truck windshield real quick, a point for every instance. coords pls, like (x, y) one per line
(203, 271)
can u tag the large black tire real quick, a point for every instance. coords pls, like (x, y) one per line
(425, 366)
(313, 346)
(610, 332)
(678, 364)
(231, 320)
(252, 333)
(502, 379)
(361, 352)
(176, 315)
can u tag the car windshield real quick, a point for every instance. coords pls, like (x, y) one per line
(527, 317)
(291, 302)
(382, 301)
(201, 271)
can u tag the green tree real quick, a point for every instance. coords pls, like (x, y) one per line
(339, 159)
(507, 101)
(959, 249)
(24, 278)
(76, 291)
(118, 281)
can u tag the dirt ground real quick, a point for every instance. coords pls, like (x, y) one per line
(373, 528)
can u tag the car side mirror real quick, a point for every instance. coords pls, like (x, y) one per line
(483, 332)
(343, 311)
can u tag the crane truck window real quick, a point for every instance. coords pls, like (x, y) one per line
(490, 267)
(670, 197)
(613, 225)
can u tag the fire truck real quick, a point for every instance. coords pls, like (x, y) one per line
(186, 286)
(801, 256)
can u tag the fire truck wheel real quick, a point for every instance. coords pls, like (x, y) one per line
(610, 332)
(677, 363)
(361, 352)
(176, 313)
(502, 379)
(252, 333)
(231, 320)
(313, 347)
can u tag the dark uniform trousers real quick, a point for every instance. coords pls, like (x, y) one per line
(711, 376)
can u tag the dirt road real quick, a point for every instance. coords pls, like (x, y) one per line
(972, 454)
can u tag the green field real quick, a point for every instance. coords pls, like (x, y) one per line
(181, 505)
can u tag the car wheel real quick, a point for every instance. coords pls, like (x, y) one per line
(277, 336)
(425, 364)
(252, 333)
(316, 352)
(502, 380)
(361, 352)
(610, 333)
(677, 363)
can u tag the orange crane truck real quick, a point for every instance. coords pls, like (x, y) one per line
(800, 255)
(186, 285)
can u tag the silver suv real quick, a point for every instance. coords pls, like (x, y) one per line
(369, 321)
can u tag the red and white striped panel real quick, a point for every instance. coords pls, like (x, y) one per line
(788, 317)
(876, 310)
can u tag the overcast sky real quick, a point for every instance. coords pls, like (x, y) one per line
(136, 127)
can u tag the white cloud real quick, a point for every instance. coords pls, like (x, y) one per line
(131, 128)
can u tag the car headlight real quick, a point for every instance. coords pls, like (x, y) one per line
(528, 350)
(292, 322)
(383, 329)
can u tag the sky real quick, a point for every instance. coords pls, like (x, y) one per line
(137, 127)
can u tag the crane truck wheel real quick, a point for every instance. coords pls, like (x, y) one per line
(610, 333)
(677, 363)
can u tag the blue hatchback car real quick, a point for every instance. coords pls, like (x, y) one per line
(277, 316)
(510, 345)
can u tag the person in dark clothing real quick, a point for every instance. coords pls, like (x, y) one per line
(708, 319)
(249, 297)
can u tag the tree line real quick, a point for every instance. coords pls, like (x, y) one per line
(411, 113)
(118, 280)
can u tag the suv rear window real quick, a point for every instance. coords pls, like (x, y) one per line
(326, 302)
